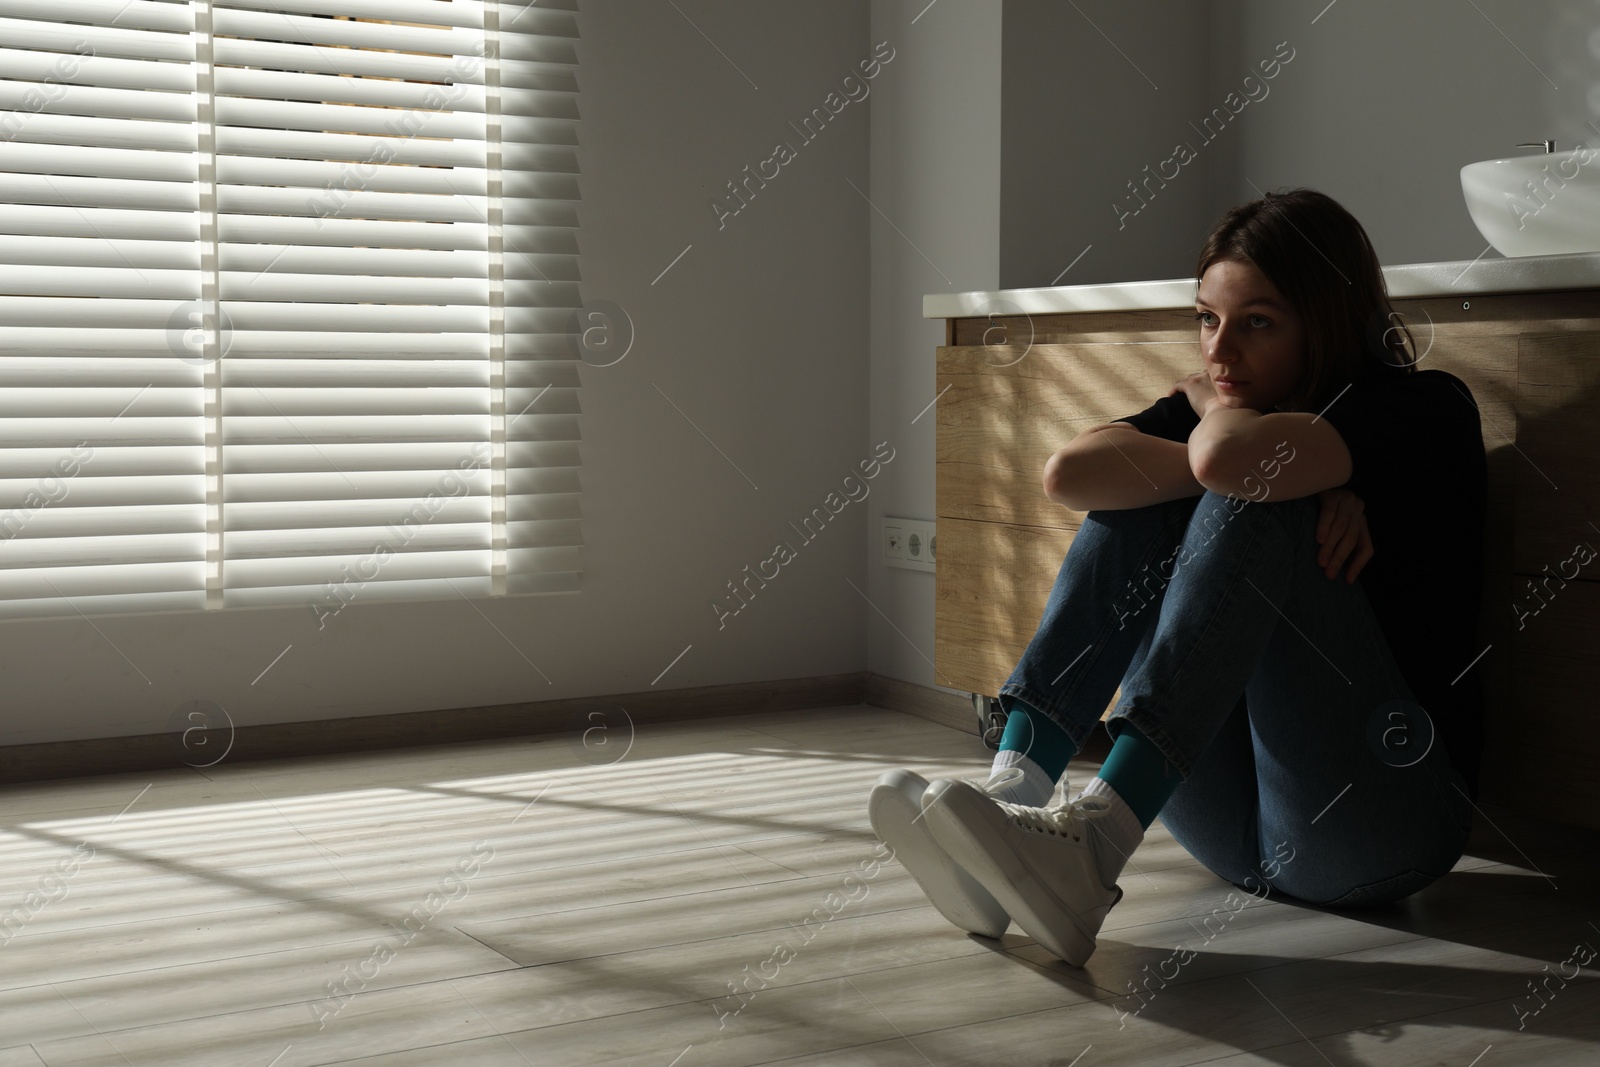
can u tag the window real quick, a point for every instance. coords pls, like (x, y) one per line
(286, 298)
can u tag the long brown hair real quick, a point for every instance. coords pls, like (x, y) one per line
(1321, 260)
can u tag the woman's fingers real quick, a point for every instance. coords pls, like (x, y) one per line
(1338, 533)
(1334, 528)
(1325, 518)
(1341, 526)
(1347, 543)
(1363, 556)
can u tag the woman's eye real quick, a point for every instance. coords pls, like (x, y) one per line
(1258, 321)
(1204, 317)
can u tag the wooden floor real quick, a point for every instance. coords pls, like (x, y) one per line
(543, 902)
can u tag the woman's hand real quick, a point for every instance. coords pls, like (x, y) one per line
(1201, 393)
(1342, 533)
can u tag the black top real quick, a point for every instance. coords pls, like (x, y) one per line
(1417, 463)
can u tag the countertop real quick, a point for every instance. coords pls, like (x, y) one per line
(1461, 278)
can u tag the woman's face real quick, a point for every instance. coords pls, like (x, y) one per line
(1252, 340)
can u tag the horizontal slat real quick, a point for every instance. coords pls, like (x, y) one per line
(68, 191)
(23, 553)
(355, 203)
(124, 14)
(50, 128)
(110, 163)
(361, 520)
(385, 590)
(533, 49)
(271, 344)
(20, 521)
(63, 433)
(318, 428)
(464, 13)
(30, 311)
(301, 144)
(100, 40)
(279, 26)
(93, 401)
(106, 224)
(238, 174)
(323, 288)
(145, 283)
(91, 587)
(295, 85)
(92, 252)
(292, 259)
(457, 526)
(259, 315)
(440, 121)
(372, 374)
(78, 98)
(544, 533)
(110, 464)
(345, 61)
(543, 506)
(312, 572)
(280, 230)
(81, 69)
(353, 402)
(112, 344)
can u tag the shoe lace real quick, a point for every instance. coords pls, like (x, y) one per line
(1068, 818)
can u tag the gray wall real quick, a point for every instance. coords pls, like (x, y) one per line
(1381, 106)
(936, 178)
(1094, 93)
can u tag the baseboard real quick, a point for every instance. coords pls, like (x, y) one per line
(925, 702)
(365, 733)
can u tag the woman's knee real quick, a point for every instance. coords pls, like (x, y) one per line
(1169, 515)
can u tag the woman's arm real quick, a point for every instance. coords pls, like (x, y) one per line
(1283, 455)
(1114, 467)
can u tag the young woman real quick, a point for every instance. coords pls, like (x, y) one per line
(1280, 566)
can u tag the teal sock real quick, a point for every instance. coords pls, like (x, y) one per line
(1139, 773)
(1039, 737)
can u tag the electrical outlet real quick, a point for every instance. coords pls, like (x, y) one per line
(894, 542)
(908, 543)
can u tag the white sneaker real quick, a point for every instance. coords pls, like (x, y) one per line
(895, 809)
(1041, 864)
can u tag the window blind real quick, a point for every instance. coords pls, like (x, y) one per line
(286, 300)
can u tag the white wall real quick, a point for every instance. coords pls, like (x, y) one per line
(936, 178)
(759, 334)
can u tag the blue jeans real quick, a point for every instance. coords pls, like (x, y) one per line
(1308, 770)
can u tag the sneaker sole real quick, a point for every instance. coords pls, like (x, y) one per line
(952, 814)
(895, 812)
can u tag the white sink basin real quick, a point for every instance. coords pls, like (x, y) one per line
(1537, 205)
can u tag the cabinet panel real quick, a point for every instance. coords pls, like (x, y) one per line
(1557, 472)
(1556, 666)
(1004, 411)
(989, 591)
